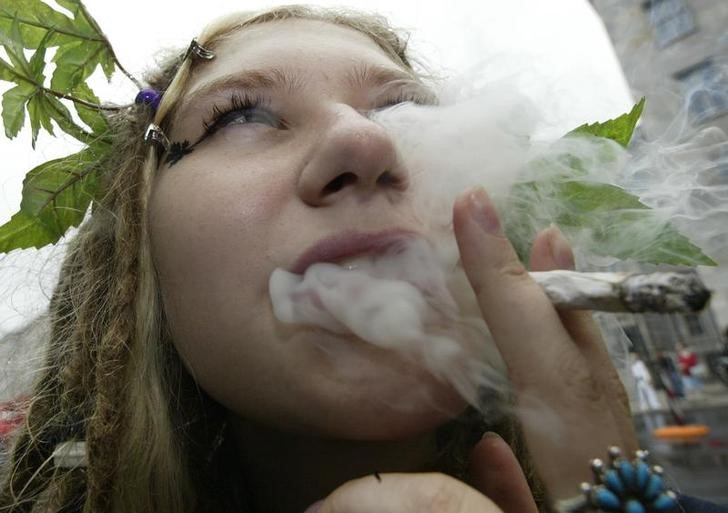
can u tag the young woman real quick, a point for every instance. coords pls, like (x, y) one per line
(165, 356)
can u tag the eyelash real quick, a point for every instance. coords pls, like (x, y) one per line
(403, 96)
(217, 119)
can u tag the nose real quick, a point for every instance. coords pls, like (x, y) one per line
(352, 156)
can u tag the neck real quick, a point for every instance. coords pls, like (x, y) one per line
(286, 473)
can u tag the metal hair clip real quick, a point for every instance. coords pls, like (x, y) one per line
(199, 51)
(155, 135)
(623, 485)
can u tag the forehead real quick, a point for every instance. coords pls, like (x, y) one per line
(307, 46)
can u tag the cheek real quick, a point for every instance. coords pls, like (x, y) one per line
(204, 214)
(210, 236)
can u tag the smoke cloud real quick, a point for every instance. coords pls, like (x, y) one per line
(416, 299)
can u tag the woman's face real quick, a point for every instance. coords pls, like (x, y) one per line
(297, 161)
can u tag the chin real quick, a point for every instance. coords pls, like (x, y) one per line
(383, 404)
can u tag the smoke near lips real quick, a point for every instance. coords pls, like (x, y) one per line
(415, 299)
(399, 300)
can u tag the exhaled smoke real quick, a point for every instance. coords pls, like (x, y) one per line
(399, 300)
(416, 299)
(683, 174)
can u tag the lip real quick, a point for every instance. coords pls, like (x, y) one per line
(348, 244)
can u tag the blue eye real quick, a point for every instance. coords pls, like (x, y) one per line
(242, 110)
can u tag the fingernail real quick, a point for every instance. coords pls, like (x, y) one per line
(490, 434)
(313, 508)
(483, 211)
(561, 251)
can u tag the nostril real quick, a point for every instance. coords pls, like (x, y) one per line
(339, 182)
(388, 179)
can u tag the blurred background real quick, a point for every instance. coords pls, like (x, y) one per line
(579, 61)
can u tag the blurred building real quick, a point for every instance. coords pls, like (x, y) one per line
(675, 52)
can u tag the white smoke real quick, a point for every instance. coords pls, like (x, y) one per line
(399, 300)
(417, 301)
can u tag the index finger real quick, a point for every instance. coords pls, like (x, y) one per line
(522, 320)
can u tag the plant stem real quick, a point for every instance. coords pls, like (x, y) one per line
(79, 101)
(108, 46)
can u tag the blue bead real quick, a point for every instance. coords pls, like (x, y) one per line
(634, 506)
(148, 97)
(613, 482)
(664, 503)
(626, 471)
(606, 500)
(642, 474)
(654, 487)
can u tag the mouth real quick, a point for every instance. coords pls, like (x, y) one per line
(347, 246)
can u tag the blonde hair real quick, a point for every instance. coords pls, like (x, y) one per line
(112, 377)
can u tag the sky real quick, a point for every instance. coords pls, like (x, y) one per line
(557, 52)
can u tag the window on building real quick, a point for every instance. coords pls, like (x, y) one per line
(706, 88)
(671, 20)
(695, 327)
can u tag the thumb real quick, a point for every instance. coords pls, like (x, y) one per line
(497, 475)
(407, 493)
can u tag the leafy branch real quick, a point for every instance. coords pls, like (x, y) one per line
(56, 194)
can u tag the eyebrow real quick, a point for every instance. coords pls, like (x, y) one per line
(359, 76)
(365, 74)
(271, 78)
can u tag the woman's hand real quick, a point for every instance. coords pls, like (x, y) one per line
(569, 397)
(500, 487)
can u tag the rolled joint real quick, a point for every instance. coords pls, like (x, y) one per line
(660, 292)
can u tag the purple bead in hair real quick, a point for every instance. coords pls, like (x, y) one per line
(149, 97)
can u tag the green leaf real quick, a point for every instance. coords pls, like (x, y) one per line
(56, 195)
(618, 129)
(604, 219)
(14, 101)
(82, 47)
(13, 44)
(75, 62)
(563, 186)
(92, 117)
(39, 116)
(35, 19)
(37, 62)
(82, 61)
(61, 115)
(24, 231)
(6, 71)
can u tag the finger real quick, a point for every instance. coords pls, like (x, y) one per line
(518, 313)
(550, 251)
(407, 493)
(496, 473)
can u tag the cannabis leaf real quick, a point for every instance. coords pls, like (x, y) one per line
(56, 195)
(604, 219)
(81, 48)
(618, 129)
